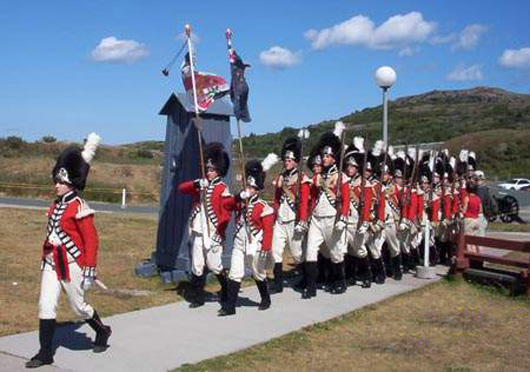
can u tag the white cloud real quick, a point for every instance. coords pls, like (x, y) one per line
(278, 57)
(463, 73)
(442, 39)
(397, 32)
(515, 58)
(469, 37)
(110, 49)
(409, 51)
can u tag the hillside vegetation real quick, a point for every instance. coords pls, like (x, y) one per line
(492, 122)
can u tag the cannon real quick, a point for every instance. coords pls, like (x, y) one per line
(506, 207)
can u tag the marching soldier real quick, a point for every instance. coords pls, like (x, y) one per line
(385, 231)
(291, 198)
(208, 221)
(253, 239)
(358, 263)
(324, 227)
(70, 252)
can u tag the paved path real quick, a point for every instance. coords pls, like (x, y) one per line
(165, 337)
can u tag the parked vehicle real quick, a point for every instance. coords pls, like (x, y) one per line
(515, 184)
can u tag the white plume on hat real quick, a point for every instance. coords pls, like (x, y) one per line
(431, 162)
(446, 152)
(401, 154)
(411, 152)
(91, 145)
(339, 128)
(452, 162)
(391, 154)
(464, 155)
(269, 161)
(472, 154)
(378, 148)
(358, 142)
(303, 133)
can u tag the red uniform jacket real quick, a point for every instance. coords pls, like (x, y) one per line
(303, 205)
(259, 217)
(410, 207)
(420, 205)
(447, 206)
(378, 196)
(73, 222)
(355, 190)
(218, 215)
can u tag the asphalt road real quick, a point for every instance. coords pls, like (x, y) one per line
(97, 206)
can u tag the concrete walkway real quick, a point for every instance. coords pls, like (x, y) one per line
(165, 337)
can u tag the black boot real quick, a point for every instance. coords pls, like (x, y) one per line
(302, 283)
(405, 258)
(263, 288)
(45, 354)
(278, 278)
(387, 261)
(223, 281)
(366, 273)
(396, 267)
(197, 285)
(103, 333)
(379, 271)
(311, 275)
(339, 285)
(353, 276)
(229, 307)
(414, 259)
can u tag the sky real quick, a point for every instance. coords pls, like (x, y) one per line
(68, 68)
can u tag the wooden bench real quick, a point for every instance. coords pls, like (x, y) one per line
(463, 258)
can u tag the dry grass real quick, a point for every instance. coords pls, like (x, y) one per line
(142, 180)
(125, 242)
(449, 326)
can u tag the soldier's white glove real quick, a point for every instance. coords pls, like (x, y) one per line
(364, 228)
(300, 228)
(340, 225)
(207, 242)
(403, 226)
(252, 248)
(86, 283)
(243, 195)
(201, 183)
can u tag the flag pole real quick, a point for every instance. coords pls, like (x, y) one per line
(228, 35)
(198, 124)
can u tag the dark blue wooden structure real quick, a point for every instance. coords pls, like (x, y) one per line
(181, 163)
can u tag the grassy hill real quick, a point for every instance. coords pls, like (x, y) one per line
(493, 122)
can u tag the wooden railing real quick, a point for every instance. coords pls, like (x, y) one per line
(464, 256)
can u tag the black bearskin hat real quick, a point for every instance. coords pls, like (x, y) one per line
(330, 144)
(255, 174)
(73, 164)
(255, 171)
(292, 148)
(354, 158)
(425, 173)
(314, 157)
(216, 157)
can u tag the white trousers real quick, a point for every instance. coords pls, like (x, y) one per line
(201, 255)
(356, 242)
(389, 235)
(50, 291)
(282, 235)
(257, 262)
(405, 237)
(322, 230)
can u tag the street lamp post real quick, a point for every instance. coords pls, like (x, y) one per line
(385, 77)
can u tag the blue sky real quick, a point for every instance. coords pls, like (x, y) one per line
(311, 60)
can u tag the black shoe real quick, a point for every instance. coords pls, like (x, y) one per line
(45, 354)
(405, 257)
(339, 285)
(396, 267)
(302, 283)
(366, 272)
(379, 271)
(103, 333)
(223, 281)
(263, 288)
(197, 285)
(278, 278)
(229, 307)
(39, 360)
(311, 275)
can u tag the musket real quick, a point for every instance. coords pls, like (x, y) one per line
(363, 185)
(302, 136)
(401, 199)
(338, 196)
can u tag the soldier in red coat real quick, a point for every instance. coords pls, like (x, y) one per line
(253, 239)
(327, 230)
(70, 251)
(208, 221)
(291, 207)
